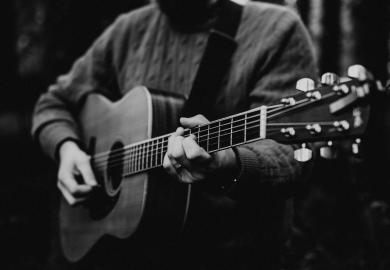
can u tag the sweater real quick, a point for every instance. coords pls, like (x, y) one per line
(142, 48)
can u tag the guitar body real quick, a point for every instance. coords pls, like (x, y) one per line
(124, 202)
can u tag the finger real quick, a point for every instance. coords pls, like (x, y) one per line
(179, 131)
(178, 157)
(68, 197)
(87, 173)
(171, 147)
(193, 121)
(70, 184)
(168, 166)
(193, 151)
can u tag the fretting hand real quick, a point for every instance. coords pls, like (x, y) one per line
(186, 161)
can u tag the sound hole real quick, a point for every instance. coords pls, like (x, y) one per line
(115, 168)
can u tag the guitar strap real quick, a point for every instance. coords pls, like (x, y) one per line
(216, 60)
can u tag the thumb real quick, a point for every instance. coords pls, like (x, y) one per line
(193, 121)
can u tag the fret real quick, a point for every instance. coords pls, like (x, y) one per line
(208, 138)
(139, 152)
(158, 151)
(131, 160)
(245, 127)
(127, 162)
(135, 158)
(148, 156)
(198, 134)
(142, 156)
(219, 134)
(252, 126)
(203, 136)
(153, 154)
(187, 133)
(162, 150)
(238, 129)
(263, 122)
(225, 133)
(165, 144)
(231, 133)
(214, 136)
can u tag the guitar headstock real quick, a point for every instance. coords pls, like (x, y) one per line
(337, 108)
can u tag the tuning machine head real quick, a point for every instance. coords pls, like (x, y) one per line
(303, 154)
(328, 151)
(358, 72)
(305, 84)
(329, 78)
(356, 146)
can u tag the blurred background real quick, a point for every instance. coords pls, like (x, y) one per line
(342, 217)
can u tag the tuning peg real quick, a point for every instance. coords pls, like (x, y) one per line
(305, 84)
(329, 78)
(328, 151)
(356, 146)
(303, 154)
(358, 72)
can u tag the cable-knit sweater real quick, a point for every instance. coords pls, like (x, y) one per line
(141, 48)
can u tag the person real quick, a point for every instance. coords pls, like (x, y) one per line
(160, 46)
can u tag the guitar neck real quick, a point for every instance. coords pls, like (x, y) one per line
(328, 119)
(215, 136)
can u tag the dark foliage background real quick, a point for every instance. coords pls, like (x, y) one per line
(342, 218)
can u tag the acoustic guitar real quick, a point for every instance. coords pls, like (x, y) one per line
(127, 141)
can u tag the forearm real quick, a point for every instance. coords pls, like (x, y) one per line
(53, 119)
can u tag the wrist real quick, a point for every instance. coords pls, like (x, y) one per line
(67, 146)
(230, 172)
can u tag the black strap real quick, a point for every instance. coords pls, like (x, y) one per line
(216, 61)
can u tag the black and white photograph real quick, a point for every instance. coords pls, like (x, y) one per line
(195, 135)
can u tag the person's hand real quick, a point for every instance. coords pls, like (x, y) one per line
(186, 161)
(74, 163)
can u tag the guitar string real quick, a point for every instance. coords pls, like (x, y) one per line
(209, 136)
(136, 164)
(143, 147)
(104, 154)
(127, 151)
(274, 107)
(151, 149)
(279, 107)
(129, 147)
(140, 168)
(159, 151)
(220, 131)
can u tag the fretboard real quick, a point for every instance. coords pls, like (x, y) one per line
(214, 136)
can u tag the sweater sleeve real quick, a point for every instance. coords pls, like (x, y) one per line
(289, 57)
(53, 117)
